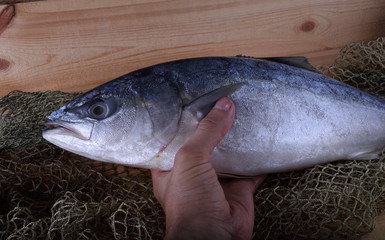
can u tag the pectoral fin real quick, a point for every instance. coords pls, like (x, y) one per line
(201, 106)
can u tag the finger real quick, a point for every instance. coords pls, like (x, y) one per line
(159, 182)
(258, 180)
(215, 125)
(211, 130)
(157, 174)
(240, 195)
(249, 184)
(156, 182)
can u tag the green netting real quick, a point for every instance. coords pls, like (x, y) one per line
(48, 193)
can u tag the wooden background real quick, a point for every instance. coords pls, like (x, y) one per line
(74, 45)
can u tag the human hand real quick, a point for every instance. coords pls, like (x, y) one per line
(198, 205)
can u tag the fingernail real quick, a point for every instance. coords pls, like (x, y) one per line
(222, 104)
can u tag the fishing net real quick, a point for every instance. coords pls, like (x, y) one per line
(49, 193)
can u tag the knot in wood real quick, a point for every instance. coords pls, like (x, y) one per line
(4, 64)
(307, 26)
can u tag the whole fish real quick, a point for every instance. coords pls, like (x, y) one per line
(288, 116)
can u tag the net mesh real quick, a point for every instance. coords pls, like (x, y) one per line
(49, 193)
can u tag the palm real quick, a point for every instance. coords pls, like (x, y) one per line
(196, 203)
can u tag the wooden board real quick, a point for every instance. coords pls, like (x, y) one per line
(74, 45)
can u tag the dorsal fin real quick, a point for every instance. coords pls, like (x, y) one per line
(299, 62)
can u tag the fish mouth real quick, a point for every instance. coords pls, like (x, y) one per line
(82, 131)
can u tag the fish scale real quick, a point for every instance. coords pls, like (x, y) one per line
(288, 116)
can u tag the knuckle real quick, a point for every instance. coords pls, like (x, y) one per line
(185, 152)
(214, 126)
(208, 123)
(193, 153)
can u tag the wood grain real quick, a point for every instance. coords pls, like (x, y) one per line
(16, 1)
(6, 15)
(73, 45)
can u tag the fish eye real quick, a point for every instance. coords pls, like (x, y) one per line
(99, 110)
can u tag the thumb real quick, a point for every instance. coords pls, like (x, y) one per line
(210, 131)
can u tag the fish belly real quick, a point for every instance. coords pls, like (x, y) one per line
(281, 128)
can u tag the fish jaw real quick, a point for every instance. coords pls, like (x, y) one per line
(79, 139)
(58, 128)
(69, 135)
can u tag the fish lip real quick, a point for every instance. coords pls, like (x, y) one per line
(68, 128)
(52, 124)
(57, 124)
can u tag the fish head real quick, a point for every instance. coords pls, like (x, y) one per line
(110, 123)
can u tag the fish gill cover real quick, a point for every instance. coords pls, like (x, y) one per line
(48, 193)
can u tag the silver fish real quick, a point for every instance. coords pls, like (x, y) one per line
(288, 116)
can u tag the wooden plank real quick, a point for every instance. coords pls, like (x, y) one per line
(6, 15)
(74, 45)
(6, 2)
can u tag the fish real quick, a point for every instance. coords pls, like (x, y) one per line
(289, 116)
